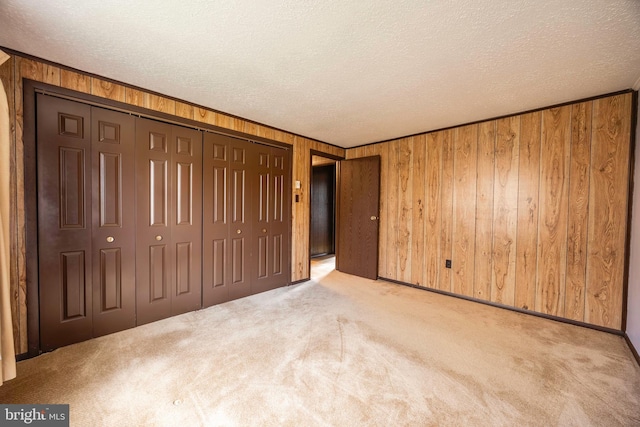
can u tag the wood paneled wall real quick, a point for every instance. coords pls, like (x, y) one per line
(14, 70)
(531, 209)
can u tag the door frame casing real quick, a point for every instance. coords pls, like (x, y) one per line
(30, 88)
(310, 178)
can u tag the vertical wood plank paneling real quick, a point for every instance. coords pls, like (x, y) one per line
(108, 90)
(28, 69)
(382, 151)
(433, 209)
(578, 210)
(464, 209)
(75, 81)
(393, 184)
(608, 196)
(184, 110)
(300, 210)
(160, 103)
(405, 208)
(484, 210)
(24, 68)
(505, 210)
(528, 188)
(51, 74)
(446, 216)
(552, 229)
(418, 218)
(134, 97)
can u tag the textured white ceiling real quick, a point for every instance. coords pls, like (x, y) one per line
(344, 72)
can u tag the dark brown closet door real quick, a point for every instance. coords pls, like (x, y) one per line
(113, 220)
(186, 232)
(215, 220)
(270, 216)
(240, 224)
(226, 222)
(169, 218)
(64, 221)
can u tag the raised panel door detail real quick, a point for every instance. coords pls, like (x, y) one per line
(263, 256)
(218, 261)
(278, 198)
(237, 260)
(72, 267)
(220, 152)
(157, 272)
(219, 211)
(158, 192)
(70, 125)
(110, 279)
(157, 142)
(184, 146)
(263, 160)
(72, 188)
(238, 155)
(277, 267)
(263, 197)
(183, 268)
(110, 190)
(238, 197)
(109, 132)
(184, 193)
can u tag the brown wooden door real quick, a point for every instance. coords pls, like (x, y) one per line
(186, 231)
(240, 225)
(226, 221)
(271, 203)
(64, 221)
(85, 221)
(358, 215)
(321, 236)
(169, 218)
(113, 221)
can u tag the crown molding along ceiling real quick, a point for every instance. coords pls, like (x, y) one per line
(343, 72)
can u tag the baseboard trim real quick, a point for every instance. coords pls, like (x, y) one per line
(507, 307)
(634, 351)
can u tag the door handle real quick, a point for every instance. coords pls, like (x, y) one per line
(264, 230)
(238, 231)
(110, 239)
(158, 237)
(373, 218)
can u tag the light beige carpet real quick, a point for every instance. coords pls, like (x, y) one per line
(341, 351)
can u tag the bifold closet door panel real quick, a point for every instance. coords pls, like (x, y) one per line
(186, 229)
(240, 225)
(215, 221)
(64, 221)
(113, 220)
(227, 219)
(154, 252)
(169, 220)
(270, 198)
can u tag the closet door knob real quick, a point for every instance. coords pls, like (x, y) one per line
(264, 230)
(158, 237)
(110, 239)
(238, 231)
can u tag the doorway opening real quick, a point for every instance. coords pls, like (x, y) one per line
(322, 215)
